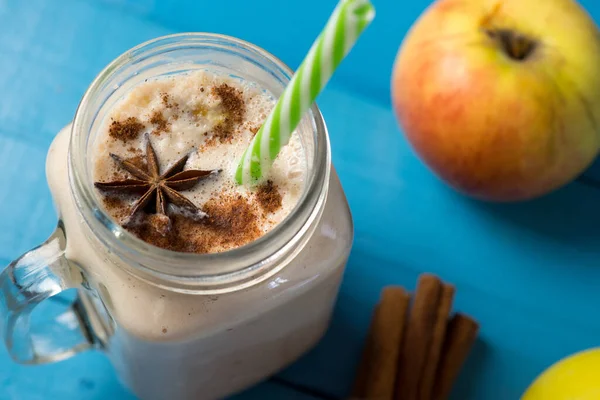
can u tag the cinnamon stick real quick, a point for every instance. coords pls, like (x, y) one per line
(460, 336)
(435, 349)
(377, 370)
(419, 335)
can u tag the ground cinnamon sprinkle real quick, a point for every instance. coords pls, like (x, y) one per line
(126, 130)
(231, 222)
(115, 206)
(170, 104)
(166, 100)
(112, 202)
(268, 197)
(234, 109)
(162, 125)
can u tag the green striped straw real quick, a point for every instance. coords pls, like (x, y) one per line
(347, 22)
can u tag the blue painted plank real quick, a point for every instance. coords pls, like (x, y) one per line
(276, 24)
(27, 218)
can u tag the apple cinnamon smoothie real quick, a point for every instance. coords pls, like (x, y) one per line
(194, 287)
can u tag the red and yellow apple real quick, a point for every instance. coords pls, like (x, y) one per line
(501, 98)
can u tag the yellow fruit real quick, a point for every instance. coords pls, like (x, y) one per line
(576, 377)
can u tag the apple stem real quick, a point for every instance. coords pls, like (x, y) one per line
(515, 45)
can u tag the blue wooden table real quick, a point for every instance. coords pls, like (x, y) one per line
(530, 273)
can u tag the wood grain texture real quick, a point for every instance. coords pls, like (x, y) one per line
(506, 261)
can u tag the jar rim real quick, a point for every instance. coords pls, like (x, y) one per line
(155, 262)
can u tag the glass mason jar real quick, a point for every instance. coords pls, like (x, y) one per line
(178, 325)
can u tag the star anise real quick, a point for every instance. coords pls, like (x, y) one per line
(157, 190)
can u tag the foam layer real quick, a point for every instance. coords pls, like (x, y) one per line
(212, 118)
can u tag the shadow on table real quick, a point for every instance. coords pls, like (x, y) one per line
(471, 372)
(567, 216)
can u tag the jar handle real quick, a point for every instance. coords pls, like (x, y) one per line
(29, 280)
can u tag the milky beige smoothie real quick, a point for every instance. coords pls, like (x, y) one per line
(204, 121)
(180, 344)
